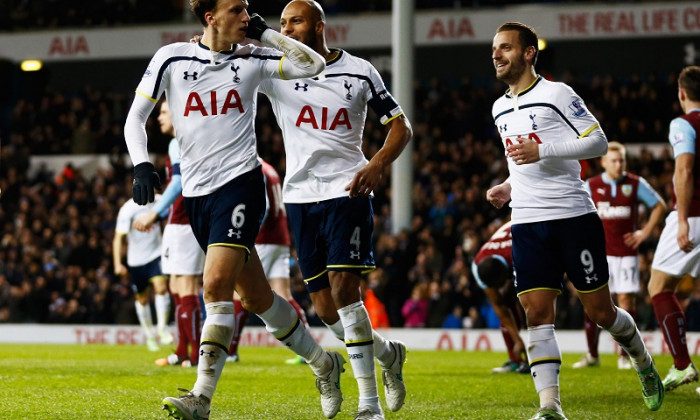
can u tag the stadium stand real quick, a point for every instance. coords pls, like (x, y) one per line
(57, 227)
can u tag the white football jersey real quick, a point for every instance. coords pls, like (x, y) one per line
(552, 187)
(322, 120)
(143, 247)
(213, 100)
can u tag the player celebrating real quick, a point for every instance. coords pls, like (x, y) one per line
(678, 253)
(211, 89)
(181, 256)
(143, 260)
(546, 129)
(327, 191)
(492, 269)
(617, 194)
(272, 245)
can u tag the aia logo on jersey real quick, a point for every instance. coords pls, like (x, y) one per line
(531, 136)
(576, 108)
(347, 86)
(196, 104)
(309, 116)
(235, 69)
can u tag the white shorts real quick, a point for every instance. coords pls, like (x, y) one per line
(669, 258)
(180, 253)
(624, 274)
(274, 259)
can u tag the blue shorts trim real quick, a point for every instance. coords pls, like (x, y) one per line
(230, 216)
(543, 252)
(142, 275)
(332, 235)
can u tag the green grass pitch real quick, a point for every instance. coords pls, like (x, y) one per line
(122, 382)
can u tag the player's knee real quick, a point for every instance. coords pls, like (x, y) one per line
(602, 316)
(345, 288)
(539, 316)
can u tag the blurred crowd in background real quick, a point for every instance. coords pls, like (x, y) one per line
(22, 15)
(56, 227)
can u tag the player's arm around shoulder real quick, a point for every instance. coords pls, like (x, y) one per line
(302, 61)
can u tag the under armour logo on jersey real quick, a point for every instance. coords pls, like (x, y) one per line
(299, 86)
(355, 255)
(235, 69)
(503, 128)
(208, 353)
(237, 234)
(348, 96)
(589, 279)
(188, 75)
(532, 117)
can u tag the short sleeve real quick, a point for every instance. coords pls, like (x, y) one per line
(646, 194)
(123, 224)
(682, 137)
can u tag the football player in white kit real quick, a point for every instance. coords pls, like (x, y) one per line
(546, 128)
(181, 257)
(144, 268)
(327, 191)
(678, 251)
(211, 88)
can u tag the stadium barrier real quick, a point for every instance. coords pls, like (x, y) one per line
(570, 341)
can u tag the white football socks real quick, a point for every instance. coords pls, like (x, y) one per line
(544, 356)
(360, 348)
(213, 348)
(382, 349)
(143, 313)
(162, 310)
(625, 332)
(282, 321)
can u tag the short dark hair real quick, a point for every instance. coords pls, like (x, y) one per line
(689, 81)
(526, 35)
(493, 272)
(200, 7)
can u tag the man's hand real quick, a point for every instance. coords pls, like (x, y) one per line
(634, 239)
(144, 222)
(524, 151)
(256, 27)
(120, 270)
(146, 180)
(683, 237)
(499, 195)
(365, 180)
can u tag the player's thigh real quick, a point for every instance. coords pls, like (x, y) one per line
(231, 215)
(348, 232)
(669, 258)
(186, 284)
(582, 244)
(252, 286)
(624, 274)
(537, 263)
(180, 252)
(141, 275)
(306, 221)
